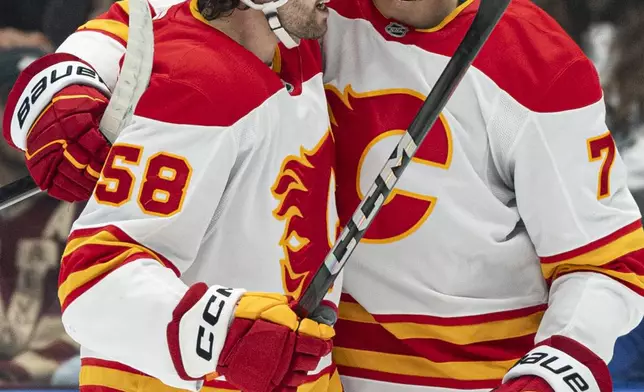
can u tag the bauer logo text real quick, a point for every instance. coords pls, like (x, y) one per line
(557, 366)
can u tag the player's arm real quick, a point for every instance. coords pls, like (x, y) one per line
(119, 283)
(571, 192)
(54, 108)
(101, 42)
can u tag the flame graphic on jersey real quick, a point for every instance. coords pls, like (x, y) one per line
(304, 188)
(367, 125)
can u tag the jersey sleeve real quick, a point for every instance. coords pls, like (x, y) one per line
(156, 199)
(572, 196)
(101, 42)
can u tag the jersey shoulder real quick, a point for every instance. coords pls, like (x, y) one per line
(533, 59)
(200, 76)
(528, 55)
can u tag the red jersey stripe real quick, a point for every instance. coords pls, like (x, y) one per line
(593, 245)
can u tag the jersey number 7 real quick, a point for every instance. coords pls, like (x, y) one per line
(602, 147)
(163, 187)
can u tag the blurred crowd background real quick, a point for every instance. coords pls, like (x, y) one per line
(36, 353)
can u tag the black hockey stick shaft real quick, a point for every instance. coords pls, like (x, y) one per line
(17, 191)
(486, 19)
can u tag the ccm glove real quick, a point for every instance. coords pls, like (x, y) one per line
(558, 364)
(255, 340)
(52, 115)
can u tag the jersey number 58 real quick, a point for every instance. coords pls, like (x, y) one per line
(164, 181)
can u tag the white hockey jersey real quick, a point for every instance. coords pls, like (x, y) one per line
(512, 214)
(225, 177)
(512, 223)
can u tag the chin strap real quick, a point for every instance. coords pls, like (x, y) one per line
(270, 12)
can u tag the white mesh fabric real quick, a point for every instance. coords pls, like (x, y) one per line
(504, 129)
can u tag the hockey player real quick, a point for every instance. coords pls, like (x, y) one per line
(222, 184)
(512, 234)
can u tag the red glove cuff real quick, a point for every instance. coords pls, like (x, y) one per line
(194, 294)
(35, 88)
(199, 328)
(564, 364)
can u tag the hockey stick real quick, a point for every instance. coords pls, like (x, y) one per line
(486, 19)
(135, 73)
(132, 82)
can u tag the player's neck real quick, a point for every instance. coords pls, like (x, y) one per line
(422, 14)
(249, 29)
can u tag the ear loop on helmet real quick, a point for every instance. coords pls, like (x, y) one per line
(270, 12)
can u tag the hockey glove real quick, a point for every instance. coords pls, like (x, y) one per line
(558, 364)
(52, 114)
(255, 340)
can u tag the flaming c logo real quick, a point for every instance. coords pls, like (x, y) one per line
(305, 189)
(367, 127)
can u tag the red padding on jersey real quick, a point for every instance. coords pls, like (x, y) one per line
(596, 365)
(190, 298)
(23, 80)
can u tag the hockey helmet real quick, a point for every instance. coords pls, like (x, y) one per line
(270, 12)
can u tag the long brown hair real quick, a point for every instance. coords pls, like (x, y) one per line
(213, 9)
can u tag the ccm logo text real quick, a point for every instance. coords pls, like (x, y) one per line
(210, 317)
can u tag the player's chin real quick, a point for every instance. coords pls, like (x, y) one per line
(315, 29)
(313, 33)
(318, 31)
